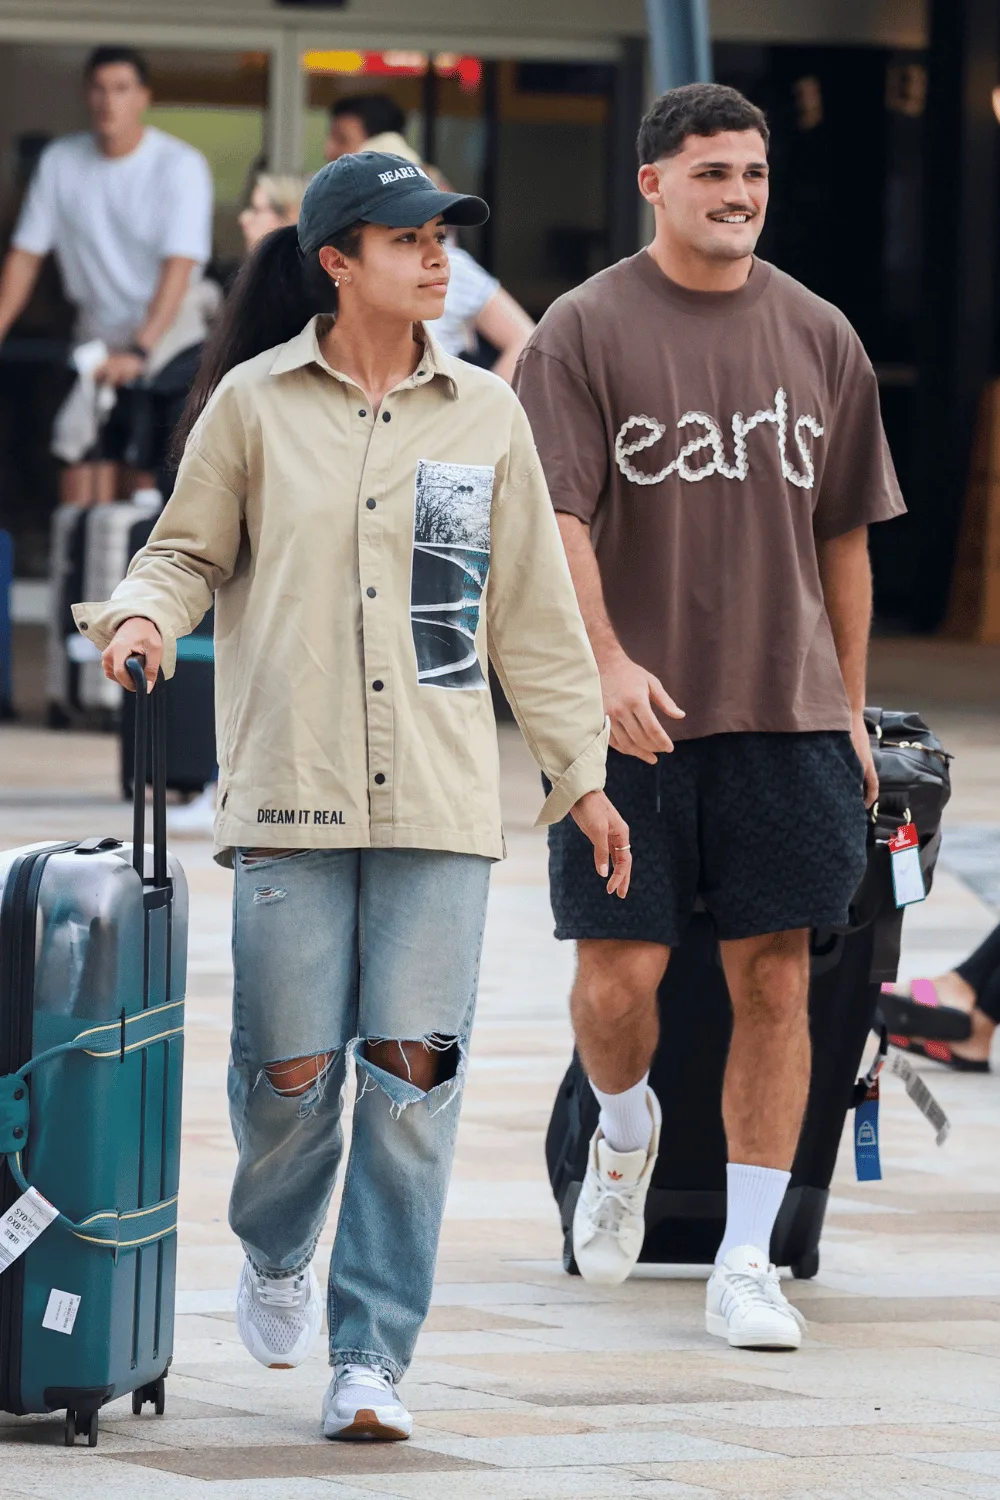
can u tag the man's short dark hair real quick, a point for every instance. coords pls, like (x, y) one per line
(695, 109)
(102, 56)
(378, 113)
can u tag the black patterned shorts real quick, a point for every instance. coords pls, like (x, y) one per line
(768, 829)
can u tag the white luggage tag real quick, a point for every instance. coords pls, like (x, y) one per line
(901, 1067)
(23, 1222)
(904, 856)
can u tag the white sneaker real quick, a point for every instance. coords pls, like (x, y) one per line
(278, 1319)
(361, 1402)
(196, 818)
(609, 1223)
(745, 1305)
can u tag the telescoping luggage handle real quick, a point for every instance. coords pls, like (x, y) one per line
(150, 721)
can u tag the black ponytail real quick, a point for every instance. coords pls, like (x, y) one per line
(275, 293)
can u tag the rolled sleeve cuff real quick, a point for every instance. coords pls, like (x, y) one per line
(587, 774)
(98, 622)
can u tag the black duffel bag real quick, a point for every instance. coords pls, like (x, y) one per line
(914, 785)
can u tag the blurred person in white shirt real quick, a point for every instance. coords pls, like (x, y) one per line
(127, 211)
(476, 303)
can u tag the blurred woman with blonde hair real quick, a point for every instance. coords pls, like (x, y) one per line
(274, 204)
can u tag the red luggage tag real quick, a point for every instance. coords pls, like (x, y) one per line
(904, 856)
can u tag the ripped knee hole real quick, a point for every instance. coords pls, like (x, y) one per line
(425, 1063)
(299, 1074)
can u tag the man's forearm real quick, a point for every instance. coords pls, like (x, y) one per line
(846, 576)
(586, 577)
(17, 282)
(171, 289)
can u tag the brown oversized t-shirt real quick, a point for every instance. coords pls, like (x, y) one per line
(710, 439)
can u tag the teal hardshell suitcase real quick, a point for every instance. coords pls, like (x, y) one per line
(93, 939)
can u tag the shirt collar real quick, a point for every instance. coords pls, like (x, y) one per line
(304, 349)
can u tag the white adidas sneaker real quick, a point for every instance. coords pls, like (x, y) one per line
(278, 1318)
(361, 1402)
(744, 1304)
(609, 1223)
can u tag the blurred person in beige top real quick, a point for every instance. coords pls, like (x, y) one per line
(476, 303)
(372, 519)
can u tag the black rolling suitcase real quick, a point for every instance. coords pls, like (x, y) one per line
(93, 940)
(6, 635)
(66, 650)
(686, 1204)
(188, 704)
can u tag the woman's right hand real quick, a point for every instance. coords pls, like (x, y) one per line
(135, 637)
(607, 830)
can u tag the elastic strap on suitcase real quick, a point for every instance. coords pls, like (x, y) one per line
(117, 1229)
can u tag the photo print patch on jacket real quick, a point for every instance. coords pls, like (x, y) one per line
(451, 558)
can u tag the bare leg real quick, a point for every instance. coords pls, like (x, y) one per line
(615, 1019)
(422, 1066)
(613, 1009)
(88, 484)
(767, 1076)
(76, 484)
(954, 990)
(105, 483)
(977, 1047)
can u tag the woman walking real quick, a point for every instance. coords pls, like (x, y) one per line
(371, 517)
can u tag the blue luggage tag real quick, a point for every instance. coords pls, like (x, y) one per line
(866, 1157)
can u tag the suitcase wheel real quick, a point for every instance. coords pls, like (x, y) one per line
(155, 1391)
(77, 1423)
(568, 1258)
(805, 1268)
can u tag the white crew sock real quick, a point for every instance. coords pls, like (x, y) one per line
(625, 1118)
(753, 1197)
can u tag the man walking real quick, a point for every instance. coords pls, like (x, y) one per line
(711, 437)
(127, 210)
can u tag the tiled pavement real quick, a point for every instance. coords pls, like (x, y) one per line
(527, 1383)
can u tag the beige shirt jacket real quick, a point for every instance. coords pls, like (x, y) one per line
(363, 566)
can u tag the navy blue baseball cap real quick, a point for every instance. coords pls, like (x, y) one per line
(378, 188)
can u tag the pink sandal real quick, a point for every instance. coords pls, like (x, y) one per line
(940, 1052)
(920, 1013)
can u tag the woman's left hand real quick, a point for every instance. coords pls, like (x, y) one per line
(608, 832)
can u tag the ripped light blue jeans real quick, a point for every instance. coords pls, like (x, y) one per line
(334, 948)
